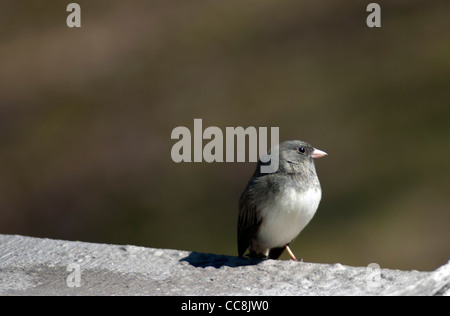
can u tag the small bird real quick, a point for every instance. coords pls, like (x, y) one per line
(275, 207)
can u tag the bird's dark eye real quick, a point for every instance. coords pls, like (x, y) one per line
(301, 150)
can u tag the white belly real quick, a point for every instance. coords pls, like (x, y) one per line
(285, 218)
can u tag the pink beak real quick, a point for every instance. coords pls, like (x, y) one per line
(318, 153)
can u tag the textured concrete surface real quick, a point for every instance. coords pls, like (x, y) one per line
(33, 266)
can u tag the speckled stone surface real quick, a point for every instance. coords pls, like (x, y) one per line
(34, 266)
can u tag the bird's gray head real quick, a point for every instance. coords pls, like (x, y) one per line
(296, 156)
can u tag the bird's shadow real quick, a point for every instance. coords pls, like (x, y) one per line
(203, 260)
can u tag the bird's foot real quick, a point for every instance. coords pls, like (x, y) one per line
(258, 256)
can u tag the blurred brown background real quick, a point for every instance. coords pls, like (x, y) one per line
(86, 116)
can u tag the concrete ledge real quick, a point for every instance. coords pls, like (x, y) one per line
(33, 266)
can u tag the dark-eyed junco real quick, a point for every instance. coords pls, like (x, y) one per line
(275, 207)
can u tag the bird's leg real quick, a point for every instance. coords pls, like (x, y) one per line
(257, 256)
(291, 254)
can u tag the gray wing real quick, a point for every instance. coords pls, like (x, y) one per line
(248, 223)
